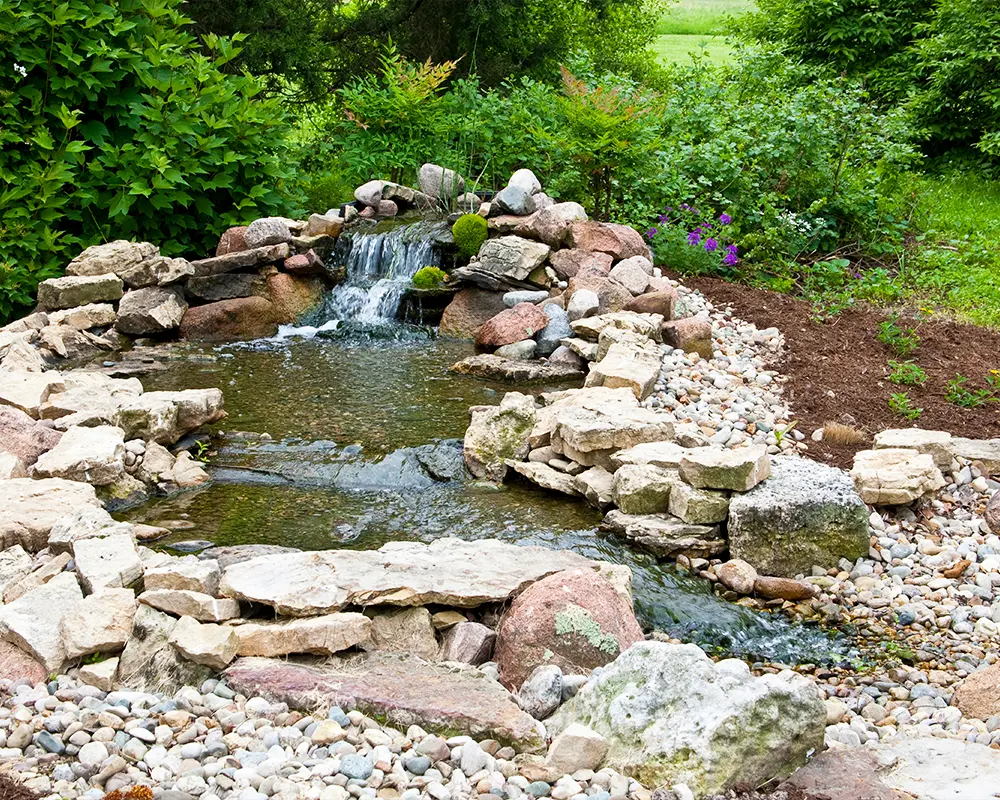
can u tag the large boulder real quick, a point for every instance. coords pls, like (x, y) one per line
(293, 296)
(937, 444)
(27, 391)
(94, 315)
(227, 286)
(511, 325)
(70, 292)
(228, 320)
(498, 433)
(618, 241)
(324, 635)
(549, 224)
(805, 514)
(438, 182)
(153, 310)
(240, 259)
(138, 264)
(512, 257)
(638, 489)
(34, 621)
(469, 309)
(662, 302)
(29, 509)
(670, 715)
(267, 231)
(628, 366)
(100, 623)
(737, 470)
(895, 476)
(575, 620)
(91, 455)
(569, 261)
(24, 437)
(107, 562)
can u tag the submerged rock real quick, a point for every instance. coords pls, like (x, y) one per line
(494, 367)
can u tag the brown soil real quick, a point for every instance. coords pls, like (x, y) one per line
(12, 789)
(838, 370)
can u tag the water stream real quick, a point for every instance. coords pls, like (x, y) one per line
(345, 433)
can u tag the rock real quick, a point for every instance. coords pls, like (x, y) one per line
(660, 302)
(15, 664)
(446, 572)
(101, 623)
(233, 240)
(513, 200)
(589, 436)
(582, 303)
(665, 535)
(494, 367)
(370, 194)
(23, 437)
(545, 476)
(627, 366)
(525, 180)
(985, 451)
(468, 643)
(737, 575)
(595, 484)
(716, 468)
(154, 310)
(511, 299)
(726, 726)
(243, 259)
(541, 692)
(575, 620)
(644, 326)
(304, 264)
(992, 513)
(774, 588)
(497, 434)
(439, 182)
(238, 553)
(226, 320)
(91, 455)
(107, 562)
(469, 309)
(70, 292)
(937, 444)
(698, 506)
(324, 635)
(29, 509)
(569, 261)
(978, 695)
(323, 225)
(33, 622)
(185, 603)
(190, 574)
(518, 351)
(267, 231)
(227, 286)
(213, 646)
(64, 341)
(619, 241)
(692, 335)
(406, 630)
(894, 477)
(149, 662)
(611, 295)
(119, 257)
(100, 675)
(512, 325)
(933, 768)
(576, 748)
(805, 514)
(33, 578)
(15, 564)
(549, 224)
(512, 257)
(293, 296)
(656, 454)
(846, 773)
(95, 315)
(630, 275)
(27, 391)
(641, 489)
(164, 417)
(563, 357)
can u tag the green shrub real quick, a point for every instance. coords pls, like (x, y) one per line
(328, 191)
(116, 124)
(470, 231)
(429, 278)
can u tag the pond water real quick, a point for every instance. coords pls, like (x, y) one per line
(349, 437)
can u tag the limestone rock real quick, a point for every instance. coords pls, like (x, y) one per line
(806, 514)
(468, 643)
(185, 603)
(107, 562)
(512, 325)
(324, 635)
(91, 455)
(692, 335)
(698, 506)
(37, 575)
(665, 535)
(33, 622)
(85, 523)
(405, 630)
(656, 454)
(149, 311)
(11, 467)
(211, 645)
(119, 257)
(937, 444)
(629, 367)
(189, 573)
(15, 563)
(978, 695)
(642, 489)
(737, 575)
(575, 620)
(323, 224)
(595, 484)
(931, 768)
(499, 433)
(985, 451)
(716, 468)
(149, 663)
(576, 748)
(100, 623)
(512, 257)
(70, 292)
(662, 302)
(29, 508)
(645, 325)
(447, 572)
(227, 286)
(469, 309)
(894, 477)
(590, 436)
(509, 370)
(267, 231)
(240, 259)
(164, 417)
(726, 726)
(438, 182)
(545, 476)
(618, 241)
(94, 315)
(27, 391)
(100, 675)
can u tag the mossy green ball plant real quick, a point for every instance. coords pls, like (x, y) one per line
(429, 278)
(470, 232)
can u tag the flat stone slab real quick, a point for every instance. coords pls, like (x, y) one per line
(939, 769)
(512, 370)
(447, 572)
(665, 535)
(400, 690)
(29, 508)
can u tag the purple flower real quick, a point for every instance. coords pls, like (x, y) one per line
(694, 238)
(730, 259)
(651, 233)
(711, 245)
(732, 250)
(725, 219)
(663, 217)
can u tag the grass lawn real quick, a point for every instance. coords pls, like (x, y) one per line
(691, 25)
(676, 48)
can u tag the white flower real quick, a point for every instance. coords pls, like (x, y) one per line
(20, 70)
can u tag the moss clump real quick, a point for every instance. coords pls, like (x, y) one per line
(429, 278)
(470, 231)
(576, 620)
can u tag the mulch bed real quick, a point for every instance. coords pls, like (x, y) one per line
(838, 370)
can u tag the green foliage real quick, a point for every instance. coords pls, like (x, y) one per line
(469, 231)
(328, 191)
(116, 125)
(907, 373)
(957, 391)
(429, 278)
(902, 341)
(900, 403)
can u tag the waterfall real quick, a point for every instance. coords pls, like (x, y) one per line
(378, 266)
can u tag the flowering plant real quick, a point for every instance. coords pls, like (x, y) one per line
(690, 239)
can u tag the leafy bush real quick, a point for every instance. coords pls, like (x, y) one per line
(429, 278)
(116, 125)
(469, 231)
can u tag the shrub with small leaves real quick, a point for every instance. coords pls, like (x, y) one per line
(429, 278)
(469, 231)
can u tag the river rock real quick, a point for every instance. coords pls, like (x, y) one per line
(267, 231)
(641, 489)
(618, 241)
(292, 296)
(29, 508)
(107, 562)
(805, 514)
(665, 535)
(91, 455)
(937, 444)
(439, 182)
(545, 476)
(497, 434)
(448, 572)
(513, 199)
(512, 257)
(692, 335)
(569, 261)
(405, 630)
(541, 693)
(370, 193)
(661, 302)
(518, 351)
(211, 645)
(895, 477)
(241, 259)
(512, 325)
(494, 367)
(70, 292)
(563, 357)
(154, 310)
(726, 726)
(627, 366)
(149, 663)
(185, 603)
(469, 309)
(576, 748)
(582, 303)
(24, 437)
(717, 468)
(100, 623)
(574, 619)
(468, 643)
(27, 391)
(737, 575)
(33, 622)
(94, 315)
(190, 573)
(324, 635)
